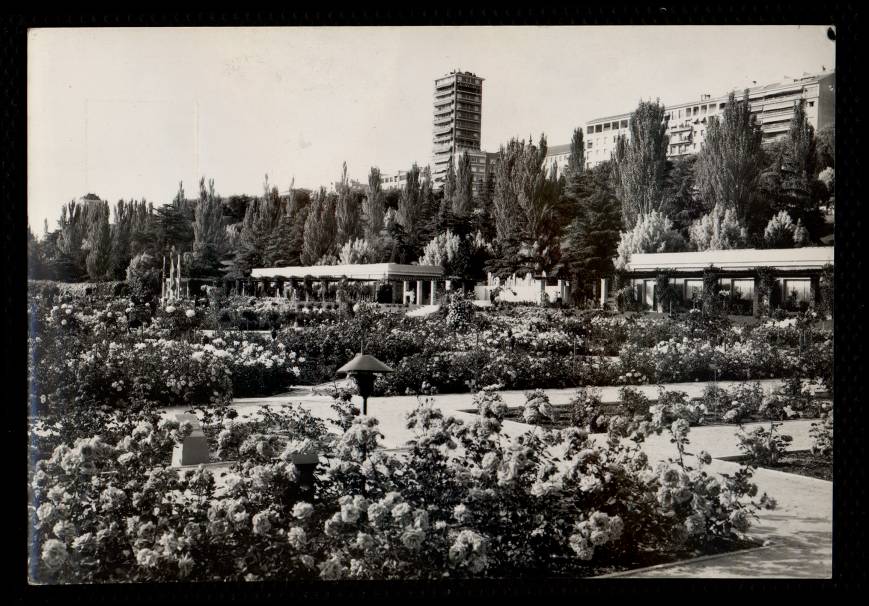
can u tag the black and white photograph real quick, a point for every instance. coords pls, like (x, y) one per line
(430, 303)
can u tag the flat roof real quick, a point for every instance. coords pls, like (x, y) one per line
(362, 271)
(809, 257)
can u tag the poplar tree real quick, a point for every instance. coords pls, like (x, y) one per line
(639, 161)
(730, 162)
(347, 211)
(373, 207)
(100, 242)
(463, 201)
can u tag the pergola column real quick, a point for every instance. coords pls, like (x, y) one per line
(434, 292)
(604, 291)
(419, 292)
(405, 288)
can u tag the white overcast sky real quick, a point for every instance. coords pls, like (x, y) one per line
(128, 113)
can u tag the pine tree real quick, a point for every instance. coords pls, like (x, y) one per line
(593, 238)
(729, 163)
(638, 163)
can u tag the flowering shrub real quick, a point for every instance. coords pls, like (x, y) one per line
(762, 446)
(822, 436)
(466, 500)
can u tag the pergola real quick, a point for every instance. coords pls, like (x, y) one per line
(428, 280)
(789, 266)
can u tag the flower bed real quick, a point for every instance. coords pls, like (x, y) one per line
(465, 501)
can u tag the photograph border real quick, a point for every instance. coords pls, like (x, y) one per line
(849, 488)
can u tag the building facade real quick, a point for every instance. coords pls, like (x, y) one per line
(458, 99)
(394, 180)
(772, 104)
(559, 156)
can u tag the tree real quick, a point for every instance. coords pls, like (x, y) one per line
(449, 188)
(592, 240)
(782, 232)
(682, 201)
(718, 230)
(463, 200)
(730, 161)
(69, 264)
(638, 163)
(319, 229)
(652, 233)
(441, 250)
(209, 232)
(825, 148)
(357, 251)
(260, 220)
(576, 159)
(36, 266)
(524, 207)
(373, 208)
(408, 214)
(99, 255)
(347, 211)
(121, 234)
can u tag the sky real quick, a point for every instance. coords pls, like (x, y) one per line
(131, 112)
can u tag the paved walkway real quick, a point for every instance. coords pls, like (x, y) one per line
(799, 530)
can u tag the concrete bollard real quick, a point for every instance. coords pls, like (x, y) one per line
(194, 449)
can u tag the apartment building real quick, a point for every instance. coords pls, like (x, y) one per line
(394, 180)
(559, 155)
(457, 104)
(772, 104)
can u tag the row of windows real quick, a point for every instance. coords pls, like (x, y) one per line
(599, 128)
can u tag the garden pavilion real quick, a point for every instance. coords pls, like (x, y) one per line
(794, 273)
(388, 284)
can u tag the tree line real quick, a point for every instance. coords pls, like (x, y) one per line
(526, 217)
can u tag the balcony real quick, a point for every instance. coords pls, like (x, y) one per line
(442, 130)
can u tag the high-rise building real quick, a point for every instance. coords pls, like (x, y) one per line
(458, 98)
(772, 104)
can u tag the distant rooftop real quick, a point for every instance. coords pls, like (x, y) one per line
(557, 150)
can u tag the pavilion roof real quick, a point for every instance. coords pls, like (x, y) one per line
(367, 271)
(809, 257)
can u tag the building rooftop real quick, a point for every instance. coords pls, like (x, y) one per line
(809, 257)
(754, 89)
(362, 271)
(557, 150)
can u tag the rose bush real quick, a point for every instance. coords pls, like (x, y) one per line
(466, 500)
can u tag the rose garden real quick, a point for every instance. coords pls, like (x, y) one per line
(451, 474)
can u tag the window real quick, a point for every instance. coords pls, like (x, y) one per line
(590, 129)
(606, 126)
(624, 123)
(597, 128)
(589, 145)
(811, 103)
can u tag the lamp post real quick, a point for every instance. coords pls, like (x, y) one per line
(363, 369)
